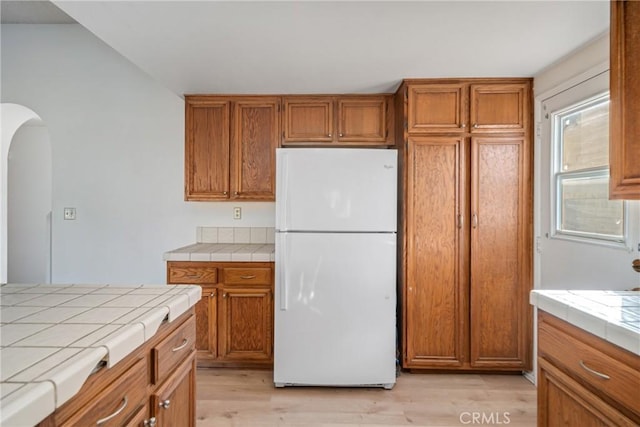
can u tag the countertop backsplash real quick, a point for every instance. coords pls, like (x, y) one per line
(254, 235)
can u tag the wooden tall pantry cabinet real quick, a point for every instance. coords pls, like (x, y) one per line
(466, 223)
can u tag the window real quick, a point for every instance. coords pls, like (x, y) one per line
(581, 142)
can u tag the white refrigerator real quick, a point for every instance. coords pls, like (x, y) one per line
(335, 294)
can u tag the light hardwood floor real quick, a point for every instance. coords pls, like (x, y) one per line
(231, 397)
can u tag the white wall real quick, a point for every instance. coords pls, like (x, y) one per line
(117, 140)
(562, 264)
(29, 205)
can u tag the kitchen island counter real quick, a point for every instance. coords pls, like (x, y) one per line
(611, 315)
(53, 337)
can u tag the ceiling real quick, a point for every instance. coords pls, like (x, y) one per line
(32, 12)
(251, 47)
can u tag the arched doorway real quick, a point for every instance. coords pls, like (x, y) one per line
(25, 178)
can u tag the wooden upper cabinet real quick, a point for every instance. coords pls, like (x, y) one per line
(207, 150)
(230, 145)
(499, 107)
(308, 119)
(624, 140)
(362, 119)
(436, 107)
(336, 120)
(256, 133)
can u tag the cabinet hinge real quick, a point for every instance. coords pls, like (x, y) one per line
(406, 93)
(278, 108)
(386, 135)
(406, 126)
(282, 134)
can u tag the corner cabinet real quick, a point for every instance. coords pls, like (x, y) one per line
(345, 120)
(234, 318)
(466, 223)
(230, 145)
(624, 131)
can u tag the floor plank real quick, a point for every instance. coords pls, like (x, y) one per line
(239, 397)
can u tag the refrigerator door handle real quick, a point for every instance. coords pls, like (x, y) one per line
(282, 275)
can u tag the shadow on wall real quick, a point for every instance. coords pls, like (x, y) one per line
(25, 189)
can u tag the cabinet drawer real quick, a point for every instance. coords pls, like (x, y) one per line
(190, 273)
(598, 370)
(118, 402)
(172, 350)
(247, 276)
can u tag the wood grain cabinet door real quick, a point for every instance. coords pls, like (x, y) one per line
(308, 119)
(499, 107)
(500, 252)
(624, 128)
(362, 120)
(256, 131)
(246, 324)
(207, 149)
(436, 107)
(173, 403)
(207, 323)
(436, 287)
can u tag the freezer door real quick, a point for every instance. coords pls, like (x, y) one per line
(329, 189)
(335, 309)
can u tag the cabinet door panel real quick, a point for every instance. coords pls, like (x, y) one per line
(437, 276)
(362, 120)
(437, 108)
(253, 162)
(625, 100)
(499, 107)
(173, 403)
(207, 151)
(500, 253)
(246, 324)
(308, 119)
(206, 324)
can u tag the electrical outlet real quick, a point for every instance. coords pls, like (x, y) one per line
(70, 213)
(237, 213)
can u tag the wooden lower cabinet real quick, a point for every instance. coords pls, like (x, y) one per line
(584, 380)
(234, 318)
(161, 371)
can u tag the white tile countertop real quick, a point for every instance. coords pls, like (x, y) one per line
(223, 244)
(53, 336)
(611, 315)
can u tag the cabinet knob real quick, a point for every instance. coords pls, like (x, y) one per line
(341, 135)
(213, 294)
(475, 125)
(463, 125)
(329, 135)
(165, 404)
(235, 193)
(224, 295)
(151, 422)
(224, 193)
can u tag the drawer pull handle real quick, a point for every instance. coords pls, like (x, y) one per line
(596, 373)
(115, 414)
(194, 275)
(248, 277)
(181, 346)
(165, 404)
(151, 422)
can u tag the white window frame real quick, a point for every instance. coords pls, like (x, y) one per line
(558, 175)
